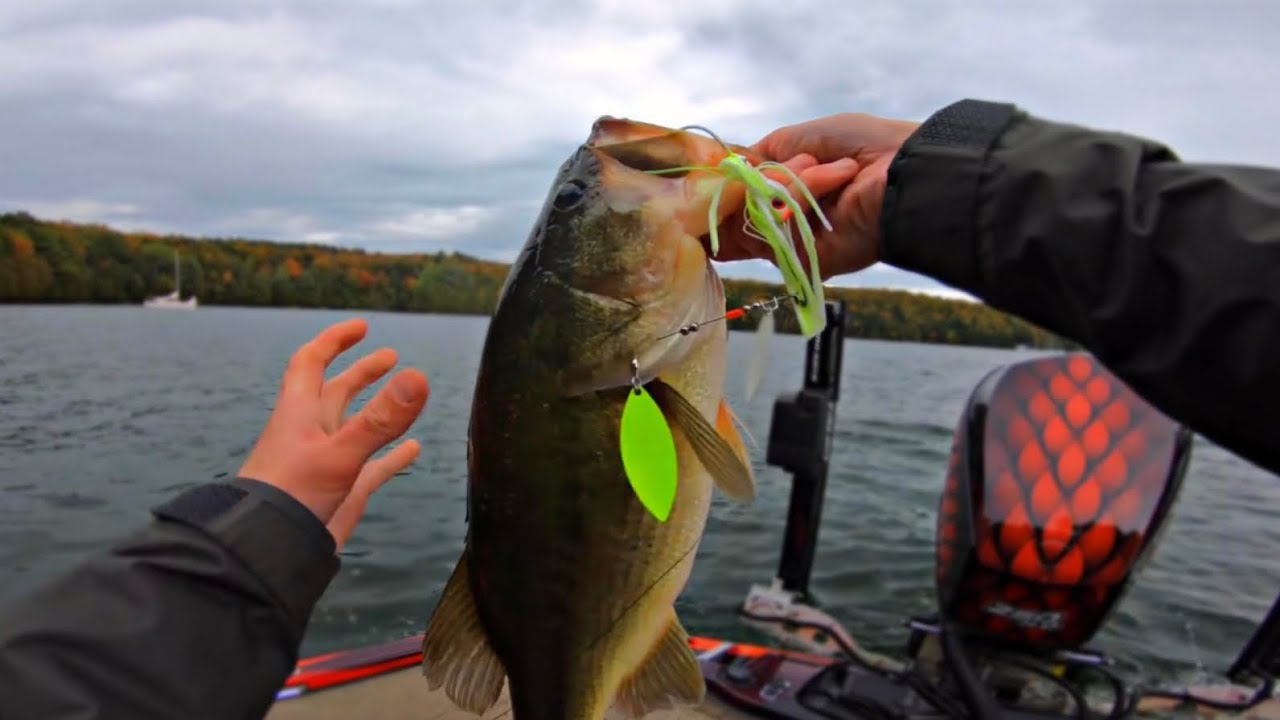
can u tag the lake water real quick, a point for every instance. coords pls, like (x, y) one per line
(107, 411)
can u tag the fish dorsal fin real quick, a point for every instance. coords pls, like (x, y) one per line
(455, 652)
(669, 678)
(726, 463)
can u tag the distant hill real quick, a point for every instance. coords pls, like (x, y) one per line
(60, 262)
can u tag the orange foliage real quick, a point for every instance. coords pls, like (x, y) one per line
(21, 245)
(363, 277)
(354, 278)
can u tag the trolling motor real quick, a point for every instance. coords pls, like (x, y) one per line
(1059, 483)
(1058, 486)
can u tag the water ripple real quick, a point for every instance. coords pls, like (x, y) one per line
(106, 410)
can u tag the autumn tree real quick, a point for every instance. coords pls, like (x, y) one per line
(67, 262)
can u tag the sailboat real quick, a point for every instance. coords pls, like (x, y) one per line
(173, 300)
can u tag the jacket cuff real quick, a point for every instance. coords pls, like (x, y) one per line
(277, 538)
(928, 221)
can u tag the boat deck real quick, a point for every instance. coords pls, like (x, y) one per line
(403, 695)
(385, 682)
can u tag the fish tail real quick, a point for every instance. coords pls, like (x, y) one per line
(456, 653)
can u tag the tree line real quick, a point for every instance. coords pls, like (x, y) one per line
(61, 262)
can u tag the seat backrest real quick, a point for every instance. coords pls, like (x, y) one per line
(1059, 483)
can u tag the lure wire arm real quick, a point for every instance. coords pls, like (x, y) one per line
(769, 305)
(636, 386)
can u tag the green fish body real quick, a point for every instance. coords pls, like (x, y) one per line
(567, 584)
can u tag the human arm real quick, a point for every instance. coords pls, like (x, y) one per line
(1169, 272)
(201, 613)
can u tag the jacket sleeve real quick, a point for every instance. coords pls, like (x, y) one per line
(199, 615)
(1167, 271)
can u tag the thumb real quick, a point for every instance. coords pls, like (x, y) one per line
(387, 416)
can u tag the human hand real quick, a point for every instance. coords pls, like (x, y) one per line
(844, 161)
(321, 459)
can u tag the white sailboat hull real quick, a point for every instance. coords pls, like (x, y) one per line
(172, 301)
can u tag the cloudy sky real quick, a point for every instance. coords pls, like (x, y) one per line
(405, 125)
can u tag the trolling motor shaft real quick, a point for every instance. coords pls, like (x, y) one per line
(800, 435)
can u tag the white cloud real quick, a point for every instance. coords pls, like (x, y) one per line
(322, 237)
(407, 125)
(271, 222)
(889, 278)
(506, 256)
(438, 223)
(75, 210)
(942, 292)
(514, 83)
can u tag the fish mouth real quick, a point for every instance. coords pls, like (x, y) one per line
(631, 153)
(647, 147)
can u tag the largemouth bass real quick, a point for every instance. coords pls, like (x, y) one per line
(567, 585)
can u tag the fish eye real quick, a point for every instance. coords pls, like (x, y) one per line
(569, 195)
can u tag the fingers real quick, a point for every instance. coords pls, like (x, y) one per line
(341, 390)
(796, 164)
(734, 243)
(794, 140)
(387, 415)
(372, 477)
(857, 135)
(304, 375)
(822, 180)
(826, 138)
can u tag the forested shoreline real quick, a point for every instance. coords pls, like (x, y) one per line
(60, 262)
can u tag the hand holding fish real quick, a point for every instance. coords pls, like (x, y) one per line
(321, 459)
(844, 160)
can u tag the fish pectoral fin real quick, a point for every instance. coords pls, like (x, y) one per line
(727, 426)
(456, 654)
(670, 677)
(720, 450)
(731, 428)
